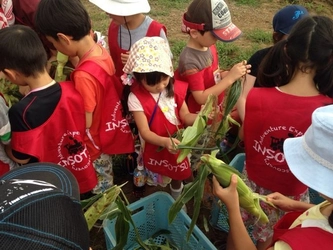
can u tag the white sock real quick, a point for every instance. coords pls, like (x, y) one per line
(175, 193)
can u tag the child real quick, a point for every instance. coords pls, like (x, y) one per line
(128, 24)
(48, 123)
(207, 21)
(310, 159)
(67, 25)
(5, 136)
(283, 21)
(7, 16)
(158, 107)
(301, 82)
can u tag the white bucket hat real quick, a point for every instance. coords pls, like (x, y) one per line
(310, 157)
(123, 7)
(149, 54)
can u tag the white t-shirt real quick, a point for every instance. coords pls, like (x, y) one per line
(166, 104)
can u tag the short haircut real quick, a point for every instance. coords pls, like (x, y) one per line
(62, 16)
(22, 50)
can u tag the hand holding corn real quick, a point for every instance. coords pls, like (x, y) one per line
(229, 195)
(248, 200)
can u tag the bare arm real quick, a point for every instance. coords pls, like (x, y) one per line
(237, 71)
(89, 116)
(185, 115)
(287, 204)
(240, 237)
(9, 153)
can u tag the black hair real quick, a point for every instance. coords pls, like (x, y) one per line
(151, 78)
(22, 50)
(277, 36)
(62, 16)
(309, 46)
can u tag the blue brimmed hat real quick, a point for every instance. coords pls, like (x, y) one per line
(287, 17)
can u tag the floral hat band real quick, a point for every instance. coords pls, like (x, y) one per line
(149, 54)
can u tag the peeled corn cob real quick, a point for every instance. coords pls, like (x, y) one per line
(248, 200)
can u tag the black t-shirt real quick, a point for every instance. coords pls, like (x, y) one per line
(255, 61)
(32, 111)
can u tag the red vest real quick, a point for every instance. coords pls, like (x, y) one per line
(4, 168)
(162, 162)
(60, 139)
(298, 238)
(271, 116)
(115, 133)
(206, 75)
(116, 51)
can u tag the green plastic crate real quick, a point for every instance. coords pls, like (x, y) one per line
(150, 215)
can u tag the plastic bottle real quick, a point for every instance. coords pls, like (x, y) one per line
(139, 180)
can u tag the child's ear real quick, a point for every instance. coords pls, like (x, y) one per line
(10, 74)
(64, 38)
(194, 33)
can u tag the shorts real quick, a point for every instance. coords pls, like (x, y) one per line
(104, 170)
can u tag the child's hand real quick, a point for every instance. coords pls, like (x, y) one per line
(239, 70)
(124, 57)
(281, 201)
(171, 145)
(228, 195)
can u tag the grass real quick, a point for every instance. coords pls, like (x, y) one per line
(229, 53)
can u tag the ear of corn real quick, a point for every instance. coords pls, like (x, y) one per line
(192, 134)
(247, 199)
(99, 205)
(62, 59)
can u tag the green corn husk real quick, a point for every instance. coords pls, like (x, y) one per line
(248, 200)
(97, 205)
(192, 134)
(62, 59)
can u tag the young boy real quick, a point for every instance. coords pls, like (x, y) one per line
(48, 123)
(66, 24)
(207, 21)
(129, 24)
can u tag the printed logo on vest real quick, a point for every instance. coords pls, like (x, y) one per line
(72, 152)
(117, 123)
(271, 146)
(166, 164)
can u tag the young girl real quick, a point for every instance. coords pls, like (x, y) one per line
(310, 159)
(158, 107)
(298, 75)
